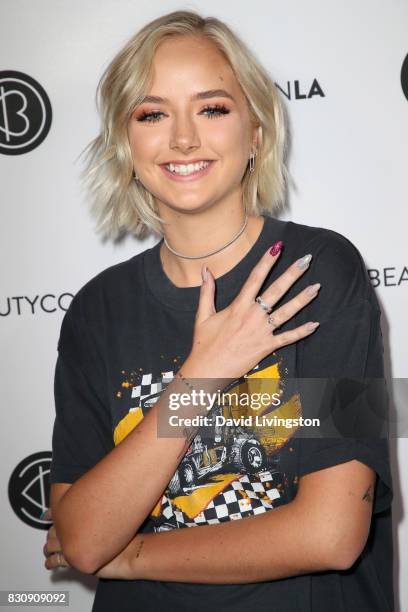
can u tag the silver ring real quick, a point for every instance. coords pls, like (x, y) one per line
(263, 305)
(59, 562)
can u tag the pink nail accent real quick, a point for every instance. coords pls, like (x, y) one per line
(276, 248)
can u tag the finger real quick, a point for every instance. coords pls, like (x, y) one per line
(258, 274)
(288, 310)
(281, 285)
(206, 306)
(293, 335)
(51, 546)
(56, 560)
(52, 532)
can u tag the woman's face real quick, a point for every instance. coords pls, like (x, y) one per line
(199, 114)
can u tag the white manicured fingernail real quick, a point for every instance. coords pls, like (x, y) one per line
(303, 262)
(312, 326)
(204, 273)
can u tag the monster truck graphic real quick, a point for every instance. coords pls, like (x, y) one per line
(230, 448)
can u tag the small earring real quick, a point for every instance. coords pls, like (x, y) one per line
(252, 163)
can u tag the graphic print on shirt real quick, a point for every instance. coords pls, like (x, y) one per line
(232, 471)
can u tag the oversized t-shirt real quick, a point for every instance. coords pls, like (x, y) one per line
(128, 331)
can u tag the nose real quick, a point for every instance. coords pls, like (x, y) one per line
(184, 135)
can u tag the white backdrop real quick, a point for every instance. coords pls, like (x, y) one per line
(348, 159)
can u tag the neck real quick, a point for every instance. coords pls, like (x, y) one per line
(202, 233)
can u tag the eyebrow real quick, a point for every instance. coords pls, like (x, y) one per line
(201, 95)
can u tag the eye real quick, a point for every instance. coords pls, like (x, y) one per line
(151, 117)
(215, 111)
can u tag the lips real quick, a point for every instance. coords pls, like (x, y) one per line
(197, 174)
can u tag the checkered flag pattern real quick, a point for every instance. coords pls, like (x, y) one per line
(147, 387)
(247, 496)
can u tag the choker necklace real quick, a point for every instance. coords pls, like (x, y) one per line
(213, 252)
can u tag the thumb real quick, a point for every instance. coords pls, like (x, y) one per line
(206, 306)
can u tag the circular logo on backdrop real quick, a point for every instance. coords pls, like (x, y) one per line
(29, 489)
(404, 77)
(25, 113)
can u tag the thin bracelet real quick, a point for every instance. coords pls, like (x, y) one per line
(185, 381)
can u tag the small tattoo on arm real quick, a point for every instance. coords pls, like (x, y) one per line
(368, 496)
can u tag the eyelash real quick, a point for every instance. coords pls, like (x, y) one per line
(219, 108)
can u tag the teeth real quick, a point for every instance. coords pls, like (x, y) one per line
(185, 169)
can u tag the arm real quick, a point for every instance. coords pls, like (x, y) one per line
(92, 531)
(97, 517)
(325, 527)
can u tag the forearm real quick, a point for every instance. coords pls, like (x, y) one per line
(102, 510)
(281, 543)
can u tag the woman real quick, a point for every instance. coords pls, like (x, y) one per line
(192, 147)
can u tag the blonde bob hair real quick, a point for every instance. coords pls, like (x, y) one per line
(119, 202)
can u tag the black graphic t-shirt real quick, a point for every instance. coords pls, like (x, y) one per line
(125, 335)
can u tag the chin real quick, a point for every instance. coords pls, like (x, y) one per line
(190, 207)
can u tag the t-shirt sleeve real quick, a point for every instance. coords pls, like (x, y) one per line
(82, 433)
(347, 350)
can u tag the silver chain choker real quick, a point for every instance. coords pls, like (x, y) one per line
(213, 252)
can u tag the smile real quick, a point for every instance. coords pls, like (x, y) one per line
(183, 172)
